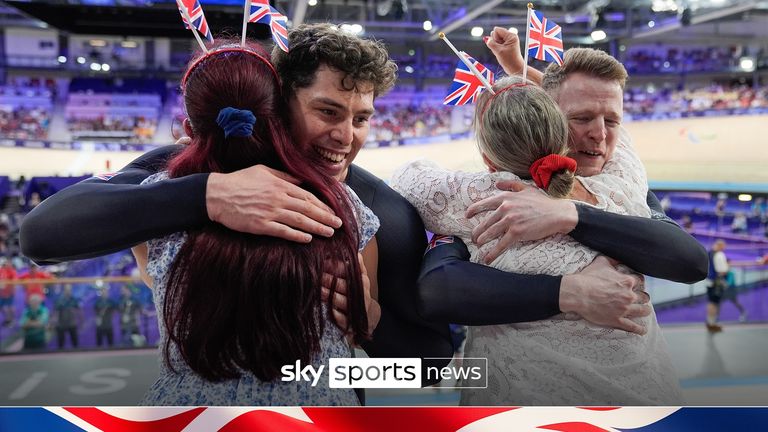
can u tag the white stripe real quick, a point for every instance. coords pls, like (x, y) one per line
(77, 421)
(529, 419)
(215, 418)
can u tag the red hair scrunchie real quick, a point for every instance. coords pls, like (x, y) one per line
(543, 168)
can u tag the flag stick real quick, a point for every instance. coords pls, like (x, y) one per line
(468, 63)
(525, 47)
(185, 12)
(246, 15)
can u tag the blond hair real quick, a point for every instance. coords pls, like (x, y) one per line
(588, 61)
(520, 125)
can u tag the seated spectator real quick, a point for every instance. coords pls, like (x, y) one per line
(739, 224)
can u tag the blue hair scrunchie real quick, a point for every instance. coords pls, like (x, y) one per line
(236, 122)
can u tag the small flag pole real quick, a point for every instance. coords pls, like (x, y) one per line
(468, 63)
(246, 15)
(527, 33)
(185, 12)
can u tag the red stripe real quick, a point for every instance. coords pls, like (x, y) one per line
(108, 422)
(372, 419)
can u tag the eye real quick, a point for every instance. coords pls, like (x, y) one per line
(362, 120)
(328, 112)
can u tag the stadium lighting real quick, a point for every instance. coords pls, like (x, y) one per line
(476, 31)
(651, 23)
(312, 2)
(598, 35)
(62, 59)
(747, 64)
(97, 43)
(95, 67)
(105, 67)
(409, 69)
(664, 5)
(81, 60)
(745, 197)
(427, 25)
(129, 44)
(354, 29)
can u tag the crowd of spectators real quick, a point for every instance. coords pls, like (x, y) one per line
(25, 110)
(715, 99)
(38, 315)
(640, 60)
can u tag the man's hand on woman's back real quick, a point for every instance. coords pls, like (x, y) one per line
(264, 201)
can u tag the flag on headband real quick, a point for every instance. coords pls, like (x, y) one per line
(259, 10)
(263, 13)
(466, 86)
(545, 39)
(195, 11)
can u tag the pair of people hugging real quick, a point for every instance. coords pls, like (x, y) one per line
(523, 135)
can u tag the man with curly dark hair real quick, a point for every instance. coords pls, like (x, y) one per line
(330, 80)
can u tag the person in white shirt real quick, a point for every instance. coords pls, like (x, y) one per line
(718, 273)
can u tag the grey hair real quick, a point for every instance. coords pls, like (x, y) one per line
(520, 125)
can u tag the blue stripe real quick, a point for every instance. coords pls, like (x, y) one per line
(33, 419)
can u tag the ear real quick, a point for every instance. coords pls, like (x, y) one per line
(188, 127)
(491, 167)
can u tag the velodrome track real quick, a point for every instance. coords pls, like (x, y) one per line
(711, 152)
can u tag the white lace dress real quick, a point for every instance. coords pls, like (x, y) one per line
(564, 360)
(184, 387)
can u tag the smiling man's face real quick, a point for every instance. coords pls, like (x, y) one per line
(594, 110)
(329, 122)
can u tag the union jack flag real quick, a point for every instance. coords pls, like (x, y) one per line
(437, 240)
(195, 11)
(259, 10)
(263, 13)
(377, 419)
(466, 86)
(545, 39)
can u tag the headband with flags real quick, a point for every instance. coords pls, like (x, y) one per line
(545, 38)
(195, 12)
(466, 86)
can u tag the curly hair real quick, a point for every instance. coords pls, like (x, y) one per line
(361, 60)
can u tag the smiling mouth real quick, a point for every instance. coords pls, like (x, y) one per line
(330, 156)
(590, 153)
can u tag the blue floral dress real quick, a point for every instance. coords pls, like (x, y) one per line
(185, 387)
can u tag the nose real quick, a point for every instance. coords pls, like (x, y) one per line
(343, 132)
(597, 130)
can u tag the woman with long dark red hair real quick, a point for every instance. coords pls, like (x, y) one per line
(234, 308)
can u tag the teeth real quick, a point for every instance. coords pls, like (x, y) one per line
(330, 156)
(590, 153)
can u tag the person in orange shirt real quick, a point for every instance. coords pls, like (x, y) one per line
(7, 291)
(35, 273)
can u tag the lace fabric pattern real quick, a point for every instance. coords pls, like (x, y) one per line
(564, 360)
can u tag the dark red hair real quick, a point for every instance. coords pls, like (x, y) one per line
(237, 301)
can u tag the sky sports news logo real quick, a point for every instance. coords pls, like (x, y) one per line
(467, 372)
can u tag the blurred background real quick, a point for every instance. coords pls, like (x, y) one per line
(88, 85)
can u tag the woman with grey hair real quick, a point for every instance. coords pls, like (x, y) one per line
(565, 360)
